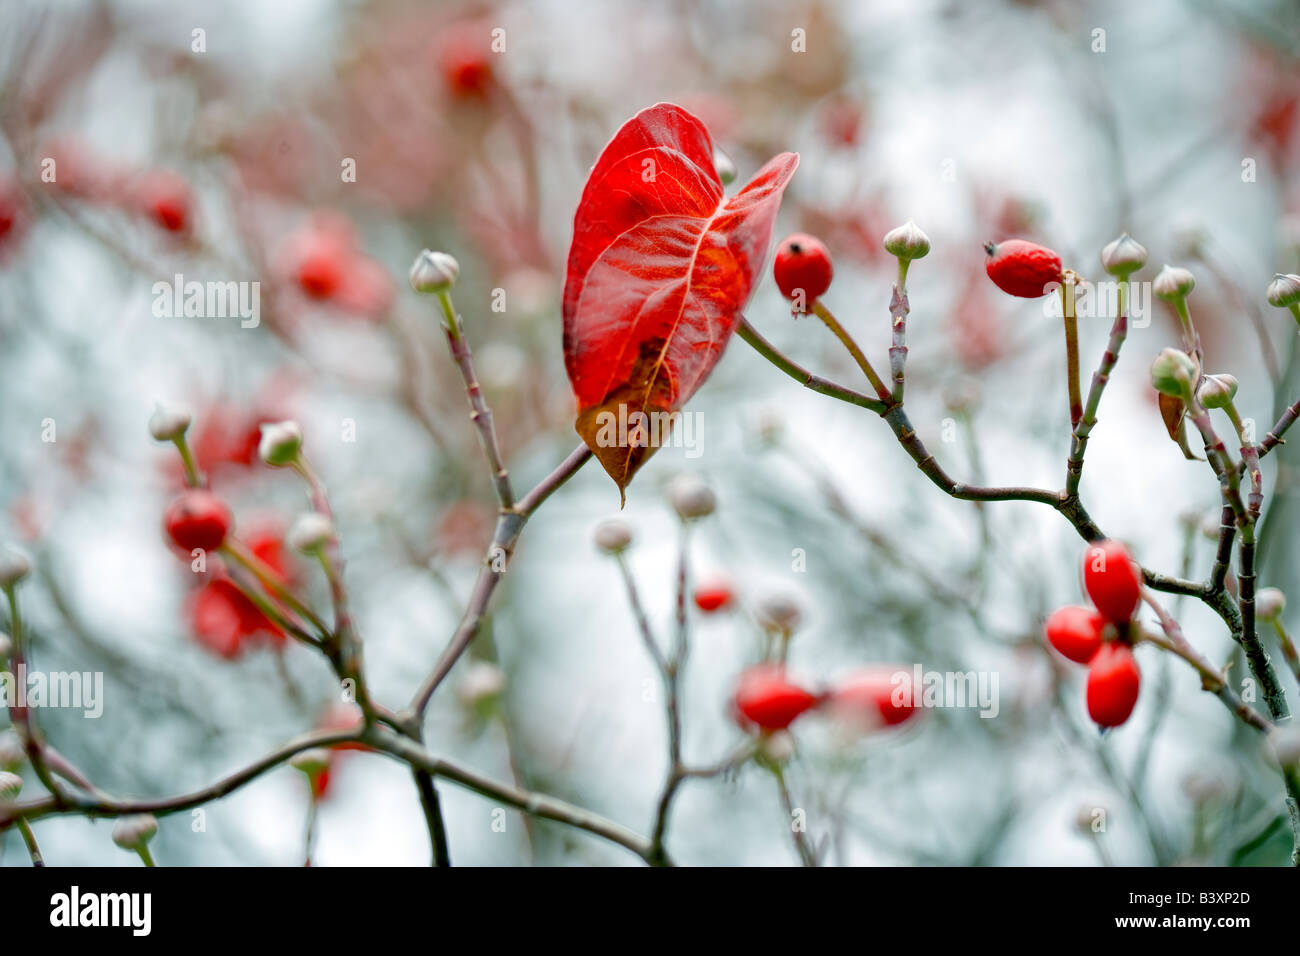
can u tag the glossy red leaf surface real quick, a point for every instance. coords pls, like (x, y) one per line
(661, 265)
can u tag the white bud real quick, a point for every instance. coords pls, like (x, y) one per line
(134, 832)
(613, 536)
(434, 271)
(311, 531)
(1270, 603)
(691, 497)
(779, 613)
(1217, 391)
(14, 566)
(281, 442)
(482, 684)
(1284, 291)
(1285, 744)
(10, 786)
(907, 242)
(169, 422)
(777, 747)
(725, 167)
(1123, 256)
(1173, 283)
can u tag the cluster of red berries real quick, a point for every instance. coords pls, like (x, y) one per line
(1098, 636)
(766, 698)
(225, 620)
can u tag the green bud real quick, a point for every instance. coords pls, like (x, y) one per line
(1284, 291)
(1173, 283)
(1172, 373)
(1123, 256)
(907, 242)
(1217, 391)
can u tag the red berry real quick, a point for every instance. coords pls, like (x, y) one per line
(1112, 580)
(1023, 268)
(465, 59)
(1076, 632)
(166, 198)
(320, 272)
(1113, 683)
(874, 697)
(802, 265)
(766, 699)
(197, 519)
(713, 597)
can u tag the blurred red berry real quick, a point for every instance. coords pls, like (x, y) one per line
(802, 264)
(1076, 632)
(465, 59)
(197, 519)
(13, 212)
(1112, 580)
(875, 696)
(766, 699)
(713, 597)
(1113, 684)
(1022, 268)
(167, 199)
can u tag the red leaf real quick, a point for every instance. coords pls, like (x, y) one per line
(661, 265)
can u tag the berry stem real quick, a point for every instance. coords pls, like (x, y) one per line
(1191, 339)
(480, 414)
(847, 341)
(1250, 457)
(145, 856)
(193, 478)
(1295, 311)
(21, 717)
(1274, 436)
(1100, 378)
(801, 375)
(266, 576)
(1071, 349)
(1256, 655)
(29, 838)
(899, 308)
(1213, 679)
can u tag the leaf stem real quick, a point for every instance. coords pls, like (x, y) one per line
(823, 313)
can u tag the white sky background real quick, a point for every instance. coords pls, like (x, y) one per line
(1001, 96)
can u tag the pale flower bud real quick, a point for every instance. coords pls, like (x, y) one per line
(434, 271)
(613, 536)
(1270, 603)
(1172, 373)
(691, 497)
(1217, 391)
(907, 242)
(1173, 283)
(1285, 744)
(134, 832)
(10, 786)
(777, 747)
(169, 422)
(726, 169)
(1284, 291)
(281, 442)
(1123, 256)
(779, 613)
(14, 566)
(482, 684)
(310, 532)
